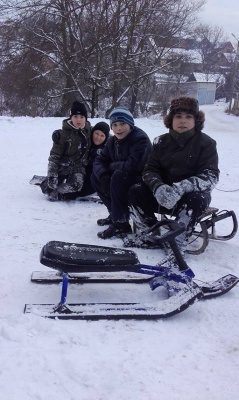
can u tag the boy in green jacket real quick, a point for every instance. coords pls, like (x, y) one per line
(68, 157)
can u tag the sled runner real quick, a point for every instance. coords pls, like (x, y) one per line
(37, 180)
(209, 227)
(166, 308)
(84, 263)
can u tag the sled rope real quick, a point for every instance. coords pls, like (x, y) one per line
(228, 191)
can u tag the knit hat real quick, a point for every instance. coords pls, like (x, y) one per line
(103, 127)
(121, 114)
(185, 104)
(78, 108)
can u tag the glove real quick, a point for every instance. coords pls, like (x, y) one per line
(116, 165)
(185, 186)
(52, 182)
(105, 184)
(56, 136)
(73, 184)
(53, 196)
(167, 196)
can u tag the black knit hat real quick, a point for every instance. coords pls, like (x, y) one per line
(103, 127)
(185, 104)
(78, 108)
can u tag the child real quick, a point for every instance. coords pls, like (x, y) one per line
(117, 168)
(180, 173)
(68, 157)
(99, 136)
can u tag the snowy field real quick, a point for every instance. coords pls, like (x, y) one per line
(192, 356)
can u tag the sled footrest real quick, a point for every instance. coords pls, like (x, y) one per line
(73, 257)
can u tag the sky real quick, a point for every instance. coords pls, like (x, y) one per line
(224, 13)
(191, 356)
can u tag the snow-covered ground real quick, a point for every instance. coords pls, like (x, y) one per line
(192, 356)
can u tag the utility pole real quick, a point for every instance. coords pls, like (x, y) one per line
(234, 74)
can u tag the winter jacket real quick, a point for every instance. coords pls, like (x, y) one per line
(129, 154)
(190, 158)
(95, 150)
(69, 155)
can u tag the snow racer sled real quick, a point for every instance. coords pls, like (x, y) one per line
(83, 263)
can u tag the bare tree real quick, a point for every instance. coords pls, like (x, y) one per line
(209, 39)
(90, 49)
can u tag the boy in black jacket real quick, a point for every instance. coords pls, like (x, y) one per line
(180, 173)
(117, 168)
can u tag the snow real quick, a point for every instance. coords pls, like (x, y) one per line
(194, 355)
(202, 78)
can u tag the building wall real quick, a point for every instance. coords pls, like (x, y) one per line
(204, 92)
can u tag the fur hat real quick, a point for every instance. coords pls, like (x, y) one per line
(121, 114)
(103, 127)
(185, 104)
(78, 108)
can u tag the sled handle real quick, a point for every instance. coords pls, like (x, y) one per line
(169, 237)
(176, 229)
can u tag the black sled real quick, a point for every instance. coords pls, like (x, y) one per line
(83, 263)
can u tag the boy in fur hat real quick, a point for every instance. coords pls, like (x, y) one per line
(180, 173)
(68, 156)
(117, 168)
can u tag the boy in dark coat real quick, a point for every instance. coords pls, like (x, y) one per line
(68, 157)
(180, 173)
(99, 136)
(118, 167)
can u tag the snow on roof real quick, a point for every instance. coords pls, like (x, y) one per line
(200, 77)
(192, 54)
(230, 56)
(164, 78)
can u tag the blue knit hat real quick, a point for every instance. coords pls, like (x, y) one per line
(121, 114)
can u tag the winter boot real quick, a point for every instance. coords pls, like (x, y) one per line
(104, 221)
(117, 230)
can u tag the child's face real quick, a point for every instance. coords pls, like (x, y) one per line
(98, 137)
(183, 122)
(121, 129)
(78, 121)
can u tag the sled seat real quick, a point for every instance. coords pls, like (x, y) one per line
(207, 212)
(165, 214)
(71, 257)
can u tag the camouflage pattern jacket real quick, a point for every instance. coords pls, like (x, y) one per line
(69, 156)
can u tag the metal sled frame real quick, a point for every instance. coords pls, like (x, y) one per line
(206, 228)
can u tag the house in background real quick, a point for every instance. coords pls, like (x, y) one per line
(202, 86)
